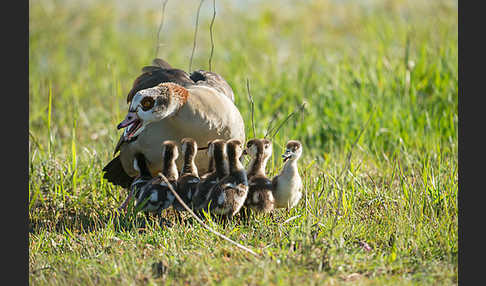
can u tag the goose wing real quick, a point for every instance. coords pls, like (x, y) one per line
(213, 80)
(114, 173)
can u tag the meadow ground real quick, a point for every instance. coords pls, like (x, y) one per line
(388, 217)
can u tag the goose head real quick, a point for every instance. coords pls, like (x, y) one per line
(293, 151)
(152, 105)
(254, 147)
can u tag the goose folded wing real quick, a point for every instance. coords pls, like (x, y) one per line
(115, 174)
(213, 80)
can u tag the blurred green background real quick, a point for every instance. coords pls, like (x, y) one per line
(343, 58)
(392, 62)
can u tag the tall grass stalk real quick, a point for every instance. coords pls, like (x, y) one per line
(49, 112)
(74, 168)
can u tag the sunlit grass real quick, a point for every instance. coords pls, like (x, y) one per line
(394, 62)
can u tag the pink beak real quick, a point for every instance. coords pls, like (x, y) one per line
(129, 119)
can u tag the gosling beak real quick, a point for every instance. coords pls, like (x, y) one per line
(287, 155)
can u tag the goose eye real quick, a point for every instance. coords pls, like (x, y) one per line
(147, 103)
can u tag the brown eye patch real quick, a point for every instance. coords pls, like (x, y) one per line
(162, 101)
(147, 103)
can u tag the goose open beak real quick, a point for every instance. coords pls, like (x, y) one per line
(132, 123)
(129, 119)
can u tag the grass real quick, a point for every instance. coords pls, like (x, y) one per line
(392, 62)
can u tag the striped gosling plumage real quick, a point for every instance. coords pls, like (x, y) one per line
(156, 193)
(216, 151)
(227, 197)
(189, 178)
(260, 196)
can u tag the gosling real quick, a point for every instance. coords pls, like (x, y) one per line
(227, 197)
(287, 186)
(189, 178)
(217, 153)
(260, 197)
(155, 195)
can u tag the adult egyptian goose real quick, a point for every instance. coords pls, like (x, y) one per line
(169, 104)
(188, 178)
(227, 197)
(216, 151)
(287, 185)
(260, 197)
(155, 195)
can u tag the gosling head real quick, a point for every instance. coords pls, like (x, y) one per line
(217, 151)
(169, 151)
(189, 147)
(189, 151)
(234, 149)
(254, 147)
(293, 151)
